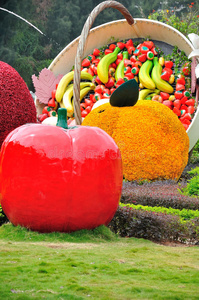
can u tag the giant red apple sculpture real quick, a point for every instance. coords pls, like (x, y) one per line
(56, 179)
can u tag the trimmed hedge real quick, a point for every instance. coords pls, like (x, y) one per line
(159, 193)
(129, 222)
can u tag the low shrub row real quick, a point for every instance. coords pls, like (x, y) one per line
(155, 226)
(184, 214)
(164, 194)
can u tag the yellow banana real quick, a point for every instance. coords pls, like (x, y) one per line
(119, 73)
(144, 75)
(144, 93)
(65, 80)
(103, 66)
(67, 97)
(161, 84)
(85, 90)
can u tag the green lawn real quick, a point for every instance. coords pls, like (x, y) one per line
(93, 265)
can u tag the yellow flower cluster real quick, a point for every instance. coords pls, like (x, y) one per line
(153, 143)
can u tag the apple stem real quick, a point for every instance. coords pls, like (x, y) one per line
(62, 118)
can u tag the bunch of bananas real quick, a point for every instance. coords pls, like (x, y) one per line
(64, 92)
(150, 77)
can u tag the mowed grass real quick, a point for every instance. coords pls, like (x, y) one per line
(93, 265)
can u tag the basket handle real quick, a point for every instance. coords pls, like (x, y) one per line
(81, 45)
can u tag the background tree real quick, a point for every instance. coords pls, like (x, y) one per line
(61, 21)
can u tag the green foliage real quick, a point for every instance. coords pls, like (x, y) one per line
(18, 233)
(62, 22)
(187, 22)
(124, 268)
(192, 187)
(194, 157)
(3, 218)
(184, 214)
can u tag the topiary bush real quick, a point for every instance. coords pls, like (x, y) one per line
(16, 102)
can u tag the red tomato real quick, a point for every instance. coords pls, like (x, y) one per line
(44, 178)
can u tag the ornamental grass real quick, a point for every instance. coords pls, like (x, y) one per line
(153, 143)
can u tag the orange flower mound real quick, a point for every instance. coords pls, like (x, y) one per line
(153, 143)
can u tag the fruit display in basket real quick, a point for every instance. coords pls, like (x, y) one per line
(16, 102)
(45, 173)
(157, 76)
(152, 140)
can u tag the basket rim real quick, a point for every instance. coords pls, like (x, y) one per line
(136, 21)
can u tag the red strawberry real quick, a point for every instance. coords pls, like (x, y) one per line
(190, 102)
(165, 76)
(168, 103)
(98, 96)
(96, 61)
(185, 126)
(112, 90)
(120, 81)
(108, 51)
(136, 52)
(96, 52)
(90, 71)
(181, 79)
(164, 95)
(177, 103)
(168, 71)
(99, 88)
(121, 45)
(184, 107)
(127, 62)
(88, 102)
(118, 60)
(129, 76)
(133, 58)
(112, 47)
(120, 55)
(129, 43)
(144, 49)
(110, 82)
(130, 50)
(168, 64)
(106, 91)
(127, 69)
(177, 111)
(191, 109)
(180, 87)
(184, 99)
(86, 62)
(148, 44)
(178, 94)
(142, 57)
(84, 113)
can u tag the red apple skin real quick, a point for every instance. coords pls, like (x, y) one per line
(55, 179)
